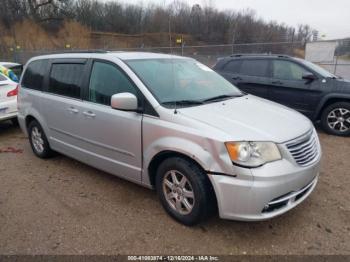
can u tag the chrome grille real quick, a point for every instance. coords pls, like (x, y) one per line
(304, 149)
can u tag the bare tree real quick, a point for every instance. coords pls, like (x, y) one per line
(203, 22)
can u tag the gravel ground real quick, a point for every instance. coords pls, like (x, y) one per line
(60, 206)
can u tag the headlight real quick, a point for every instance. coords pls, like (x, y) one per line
(252, 154)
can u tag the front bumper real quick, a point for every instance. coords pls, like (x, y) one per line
(268, 191)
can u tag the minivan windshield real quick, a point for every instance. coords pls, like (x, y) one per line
(182, 81)
(323, 72)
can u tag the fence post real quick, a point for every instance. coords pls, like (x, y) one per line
(14, 55)
(335, 66)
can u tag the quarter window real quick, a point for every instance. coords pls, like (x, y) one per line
(34, 75)
(65, 79)
(107, 80)
(287, 70)
(254, 67)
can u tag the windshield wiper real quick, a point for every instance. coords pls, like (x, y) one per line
(183, 102)
(220, 98)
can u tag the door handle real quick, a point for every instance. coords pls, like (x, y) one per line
(89, 114)
(277, 82)
(73, 110)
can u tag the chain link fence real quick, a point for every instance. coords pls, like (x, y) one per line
(334, 56)
(337, 62)
(209, 54)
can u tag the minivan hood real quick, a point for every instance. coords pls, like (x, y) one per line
(251, 118)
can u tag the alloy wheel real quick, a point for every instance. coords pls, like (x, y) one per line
(178, 192)
(339, 119)
(37, 140)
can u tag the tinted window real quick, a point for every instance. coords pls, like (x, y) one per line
(254, 67)
(65, 79)
(34, 75)
(107, 80)
(232, 66)
(287, 70)
(2, 78)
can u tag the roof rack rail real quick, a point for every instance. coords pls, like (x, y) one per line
(240, 55)
(81, 51)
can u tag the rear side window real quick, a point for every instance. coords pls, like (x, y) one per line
(65, 79)
(232, 66)
(34, 75)
(254, 67)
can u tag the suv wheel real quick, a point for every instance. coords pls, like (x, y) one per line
(38, 140)
(184, 190)
(335, 119)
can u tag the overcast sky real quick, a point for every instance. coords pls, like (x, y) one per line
(329, 17)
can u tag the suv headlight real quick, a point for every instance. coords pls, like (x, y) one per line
(252, 154)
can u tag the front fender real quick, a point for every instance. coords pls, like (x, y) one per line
(211, 156)
(327, 98)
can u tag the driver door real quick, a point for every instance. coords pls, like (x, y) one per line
(289, 88)
(111, 137)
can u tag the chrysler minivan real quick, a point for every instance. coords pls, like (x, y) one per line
(172, 124)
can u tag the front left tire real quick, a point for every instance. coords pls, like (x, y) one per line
(184, 191)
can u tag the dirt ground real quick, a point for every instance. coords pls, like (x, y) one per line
(60, 206)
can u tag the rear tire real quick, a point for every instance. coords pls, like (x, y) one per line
(335, 119)
(38, 140)
(184, 191)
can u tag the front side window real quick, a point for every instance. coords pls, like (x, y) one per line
(286, 70)
(34, 75)
(65, 79)
(107, 80)
(255, 68)
(176, 79)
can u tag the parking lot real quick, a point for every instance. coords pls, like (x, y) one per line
(60, 206)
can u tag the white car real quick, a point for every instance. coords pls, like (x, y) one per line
(8, 99)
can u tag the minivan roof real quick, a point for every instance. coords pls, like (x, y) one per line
(105, 54)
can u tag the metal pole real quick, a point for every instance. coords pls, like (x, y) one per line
(233, 41)
(336, 64)
(182, 45)
(233, 37)
(170, 45)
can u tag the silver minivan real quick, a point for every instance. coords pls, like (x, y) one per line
(172, 124)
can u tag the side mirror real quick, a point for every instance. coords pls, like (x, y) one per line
(309, 77)
(124, 101)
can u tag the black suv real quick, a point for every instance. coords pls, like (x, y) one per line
(293, 82)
